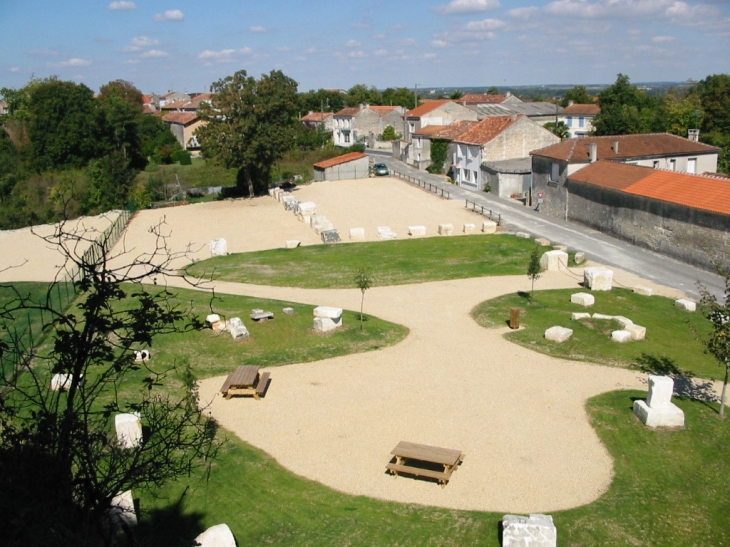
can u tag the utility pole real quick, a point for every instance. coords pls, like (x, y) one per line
(415, 96)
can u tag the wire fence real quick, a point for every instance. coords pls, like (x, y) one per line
(433, 188)
(102, 244)
(496, 217)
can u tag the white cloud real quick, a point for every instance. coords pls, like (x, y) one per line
(258, 29)
(621, 9)
(353, 43)
(456, 7)
(72, 62)
(245, 51)
(122, 5)
(381, 53)
(485, 25)
(357, 54)
(283, 49)
(524, 13)
(208, 54)
(379, 36)
(439, 43)
(144, 41)
(154, 54)
(170, 15)
(663, 39)
(14, 69)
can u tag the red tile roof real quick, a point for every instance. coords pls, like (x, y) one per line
(429, 130)
(316, 116)
(425, 108)
(183, 118)
(383, 110)
(629, 146)
(348, 111)
(324, 164)
(487, 129)
(581, 110)
(702, 192)
(482, 98)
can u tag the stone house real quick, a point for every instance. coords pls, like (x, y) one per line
(365, 123)
(493, 139)
(681, 215)
(314, 120)
(552, 165)
(183, 125)
(474, 100)
(579, 118)
(354, 165)
(3, 108)
(418, 152)
(540, 112)
(172, 97)
(437, 112)
(187, 105)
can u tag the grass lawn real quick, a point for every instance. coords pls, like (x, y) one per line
(670, 489)
(390, 262)
(670, 347)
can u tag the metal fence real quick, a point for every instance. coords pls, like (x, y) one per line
(496, 217)
(102, 244)
(433, 188)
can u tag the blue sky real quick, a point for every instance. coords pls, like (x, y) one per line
(186, 45)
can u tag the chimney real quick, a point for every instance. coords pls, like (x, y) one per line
(593, 151)
(615, 147)
(508, 94)
(311, 112)
(571, 103)
(694, 135)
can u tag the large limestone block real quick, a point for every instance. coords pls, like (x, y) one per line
(327, 311)
(416, 230)
(580, 257)
(553, 260)
(621, 336)
(558, 334)
(142, 356)
(598, 278)
(129, 429)
(121, 512)
(315, 220)
(446, 229)
(292, 243)
(667, 416)
(219, 535)
(357, 234)
(523, 235)
(239, 331)
(623, 321)
(563, 248)
(212, 318)
(644, 291)
(384, 232)
(583, 299)
(218, 247)
(307, 208)
(602, 316)
(306, 219)
(537, 530)
(637, 331)
(325, 324)
(542, 242)
(323, 226)
(62, 381)
(469, 228)
(489, 227)
(686, 305)
(661, 389)
(577, 316)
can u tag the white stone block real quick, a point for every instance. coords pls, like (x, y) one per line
(288, 311)
(235, 322)
(219, 535)
(129, 429)
(523, 235)
(384, 232)
(553, 260)
(583, 299)
(292, 243)
(326, 324)
(239, 331)
(121, 512)
(666, 416)
(661, 389)
(577, 316)
(416, 230)
(324, 226)
(489, 227)
(602, 316)
(637, 331)
(580, 257)
(644, 291)
(218, 247)
(62, 381)
(542, 242)
(446, 229)
(327, 311)
(686, 305)
(623, 321)
(621, 336)
(558, 334)
(357, 234)
(212, 318)
(534, 531)
(219, 326)
(307, 208)
(142, 356)
(563, 248)
(316, 220)
(306, 219)
(469, 228)
(598, 278)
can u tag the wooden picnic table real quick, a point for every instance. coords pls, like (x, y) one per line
(407, 454)
(245, 380)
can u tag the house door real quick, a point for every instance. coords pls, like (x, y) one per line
(692, 165)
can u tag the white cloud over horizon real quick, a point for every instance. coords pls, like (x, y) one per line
(122, 5)
(462, 7)
(169, 15)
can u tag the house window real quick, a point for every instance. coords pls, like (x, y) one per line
(554, 172)
(418, 143)
(672, 165)
(581, 122)
(570, 121)
(411, 127)
(692, 165)
(656, 164)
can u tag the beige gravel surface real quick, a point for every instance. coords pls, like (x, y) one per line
(517, 415)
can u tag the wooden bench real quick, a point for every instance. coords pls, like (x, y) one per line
(262, 316)
(262, 385)
(441, 476)
(406, 451)
(241, 381)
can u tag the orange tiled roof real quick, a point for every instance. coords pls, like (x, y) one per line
(629, 146)
(183, 118)
(429, 130)
(702, 192)
(383, 110)
(485, 130)
(581, 110)
(425, 108)
(454, 130)
(316, 116)
(324, 164)
(348, 111)
(481, 98)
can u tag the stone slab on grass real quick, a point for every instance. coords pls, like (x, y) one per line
(325, 324)
(598, 278)
(537, 530)
(489, 227)
(523, 235)
(686, 305)
(121, 513)
(288, 311)
(658, 409)
(577, 316)
(327, 311)
(637, 331)
(218, 247)
(558, 334)
(357, 234)
(644, 291)
(583, 299)
(623, 321)
(219, 535)
(292, 243)
(621, 336)
(542, 242)
(552, 260)
(603, 316)
(416, 230)
(446, 229)
(129, 429)
(469, 228)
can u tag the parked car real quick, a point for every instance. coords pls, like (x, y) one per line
(380, 170)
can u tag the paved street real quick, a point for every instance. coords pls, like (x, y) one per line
(597, 246)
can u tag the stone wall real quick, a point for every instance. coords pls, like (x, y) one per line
(554, 199)
(517, 141)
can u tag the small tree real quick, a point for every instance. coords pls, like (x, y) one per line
(559, 129)
(390, 135)
(533, 267)
(363, 281)
(718, 341)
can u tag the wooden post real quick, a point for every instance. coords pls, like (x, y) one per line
(514, 318)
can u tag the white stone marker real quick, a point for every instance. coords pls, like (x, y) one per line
(623, 321)
(658, 409)
(577, 316)
(644, 291)
(621, 336)
(219, 535)
(357, 234)
(558, 334)
(542, 242)
(598, 278)
(637, 331)
(142, 356)
(218, 247)
(552, 260)
(469, 228)
(212, 318)
(62, 381)
(384, 232)
(307, 208)
(603, 316)
(583, 299)
(327, 318)
(537, 530)
(288, 311)
(292, 243)
(579, 257)
(129, 429)
(686, 305)
(489, 227)
(523, 235)
(446, 229)
(121, 512)
(416, 230)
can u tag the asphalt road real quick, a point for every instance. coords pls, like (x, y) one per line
(597, 246)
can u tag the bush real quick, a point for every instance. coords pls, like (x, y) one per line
(183, 157)
(356, 148)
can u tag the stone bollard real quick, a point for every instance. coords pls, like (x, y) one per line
(514, 318)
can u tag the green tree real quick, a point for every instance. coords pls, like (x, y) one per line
(401, 96)
(626, 109)
(322, 100)
(439, 151)
(250, 125)
(362, 94)
(111, 179)
(154, 134)
(390, 135)
(533, 267)
(717, 343)
(456, 95)
(363, 281)
(121, 104)
(61, 465)
(578, 94)
(560, 129)
(714, 93)
(493, 90)
(683, 113)
(124, 90)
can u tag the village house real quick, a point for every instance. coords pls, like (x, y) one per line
(539, 112)
(183, 125)
(418, 152)
(493, 139)
(315, 120)
(172, 97)
(187, 105)
(473, 100)
(579, 118)
(681, 215)
(353, 165)
(552, 165)
(438, 112)
(366, 123)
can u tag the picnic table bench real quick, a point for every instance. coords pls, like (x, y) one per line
(262, 315)
(411, 457)
(246, 380)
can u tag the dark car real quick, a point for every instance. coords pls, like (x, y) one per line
(380, 170)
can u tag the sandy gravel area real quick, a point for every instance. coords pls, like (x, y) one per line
(518, 416)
